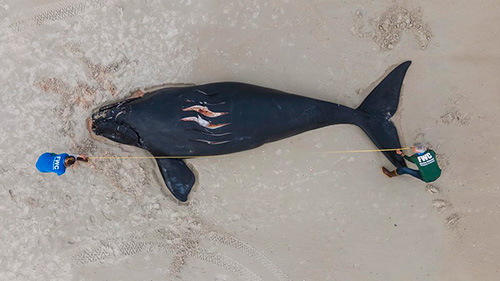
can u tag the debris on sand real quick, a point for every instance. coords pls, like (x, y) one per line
(387, 28)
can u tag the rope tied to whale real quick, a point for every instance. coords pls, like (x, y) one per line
(194, 156)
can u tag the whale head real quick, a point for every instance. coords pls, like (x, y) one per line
(109, 122)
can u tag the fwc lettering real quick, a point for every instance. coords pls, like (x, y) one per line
(425, 159)
(55, 164)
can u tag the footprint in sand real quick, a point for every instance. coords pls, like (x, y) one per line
(455, 112)
(441, 205)
(455, 116)
(432, 189)
(453, 220)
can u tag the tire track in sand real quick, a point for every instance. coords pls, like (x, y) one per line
(232, 242)
(181, 246)
(53, 12)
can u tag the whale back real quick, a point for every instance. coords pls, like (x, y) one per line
(223, 118)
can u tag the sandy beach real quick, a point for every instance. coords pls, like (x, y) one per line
(289, 210)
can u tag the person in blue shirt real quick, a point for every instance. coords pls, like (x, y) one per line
(57, 163)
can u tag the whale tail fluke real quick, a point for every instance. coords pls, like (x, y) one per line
(378, 108)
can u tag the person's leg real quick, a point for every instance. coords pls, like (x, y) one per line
(408, 171)
(388, 173)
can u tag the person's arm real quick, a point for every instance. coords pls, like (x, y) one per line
(409, 158)
(82, 158)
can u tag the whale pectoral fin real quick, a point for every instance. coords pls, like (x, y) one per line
(177, 176)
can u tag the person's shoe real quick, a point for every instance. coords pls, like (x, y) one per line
(389, 173)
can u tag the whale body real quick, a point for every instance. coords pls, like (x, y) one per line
(227, 117)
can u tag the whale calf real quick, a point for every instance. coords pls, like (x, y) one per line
(227, 117)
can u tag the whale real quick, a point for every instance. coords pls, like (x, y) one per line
(178, 123)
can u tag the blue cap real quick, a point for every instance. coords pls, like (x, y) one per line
(51, 162)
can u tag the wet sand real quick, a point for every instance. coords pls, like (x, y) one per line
(289, 210)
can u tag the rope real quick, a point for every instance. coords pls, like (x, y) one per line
(195, 156)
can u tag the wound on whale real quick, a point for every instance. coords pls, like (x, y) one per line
(227, 117)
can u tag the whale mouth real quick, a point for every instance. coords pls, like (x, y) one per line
(113, 131)
(104, 124)
(91, 127)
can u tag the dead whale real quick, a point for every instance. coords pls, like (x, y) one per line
(227, 117)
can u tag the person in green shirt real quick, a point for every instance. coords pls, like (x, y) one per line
(424, 158)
